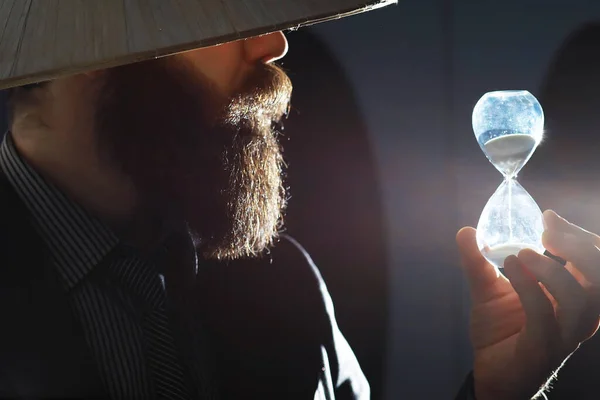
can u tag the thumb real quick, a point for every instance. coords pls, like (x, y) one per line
(481, 275)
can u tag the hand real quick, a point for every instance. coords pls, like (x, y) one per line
(523, 328)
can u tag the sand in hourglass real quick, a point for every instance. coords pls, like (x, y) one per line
(497, 254)
(509, 153)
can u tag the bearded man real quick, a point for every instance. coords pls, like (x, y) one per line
(140, 246)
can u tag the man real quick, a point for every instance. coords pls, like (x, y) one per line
(141, 255)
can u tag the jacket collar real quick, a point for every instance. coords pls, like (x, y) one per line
(42, 345)
(77, 241)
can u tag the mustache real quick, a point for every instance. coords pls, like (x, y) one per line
(262, 101)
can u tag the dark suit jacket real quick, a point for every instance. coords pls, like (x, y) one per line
(268, 324)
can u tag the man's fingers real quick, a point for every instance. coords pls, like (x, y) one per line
(555, 222)
(539, 312)
(572, 312)
(481, 275)
(579, 251)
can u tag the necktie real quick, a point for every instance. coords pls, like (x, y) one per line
(163, 357)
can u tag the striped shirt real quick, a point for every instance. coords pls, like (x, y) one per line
(109, 309)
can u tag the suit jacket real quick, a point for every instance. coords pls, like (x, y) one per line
(267, 324)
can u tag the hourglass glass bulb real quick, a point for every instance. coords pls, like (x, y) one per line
(510, 222)
(508, 126)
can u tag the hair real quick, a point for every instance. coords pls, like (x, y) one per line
(18, 96)
(196, 155)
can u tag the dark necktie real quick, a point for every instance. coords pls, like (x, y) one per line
(163, 356)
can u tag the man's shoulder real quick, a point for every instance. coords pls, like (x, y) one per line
(289, 256)
(278, 296)
(17, 237)
(315, 318)
(270, 320)
(292, 265)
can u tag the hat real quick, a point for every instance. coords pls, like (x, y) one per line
(45, 39)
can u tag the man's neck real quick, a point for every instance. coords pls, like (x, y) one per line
(74, 167)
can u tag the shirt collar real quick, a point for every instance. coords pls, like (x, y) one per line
(77, 240)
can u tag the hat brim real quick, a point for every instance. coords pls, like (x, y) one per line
(46, 39)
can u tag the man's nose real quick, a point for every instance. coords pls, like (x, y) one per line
(266, 48)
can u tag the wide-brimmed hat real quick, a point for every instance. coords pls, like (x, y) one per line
(45, 39)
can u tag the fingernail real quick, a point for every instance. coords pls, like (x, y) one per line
(547, 215)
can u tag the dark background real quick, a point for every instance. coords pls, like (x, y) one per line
(417, 70)
(384, 167)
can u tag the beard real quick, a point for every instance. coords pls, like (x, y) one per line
(196, 156)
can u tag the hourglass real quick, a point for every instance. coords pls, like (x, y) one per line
(509, 126)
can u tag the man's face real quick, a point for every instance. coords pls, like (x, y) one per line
(196, 135)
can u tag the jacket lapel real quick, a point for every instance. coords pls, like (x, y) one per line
(263, 320)
(43, 351)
